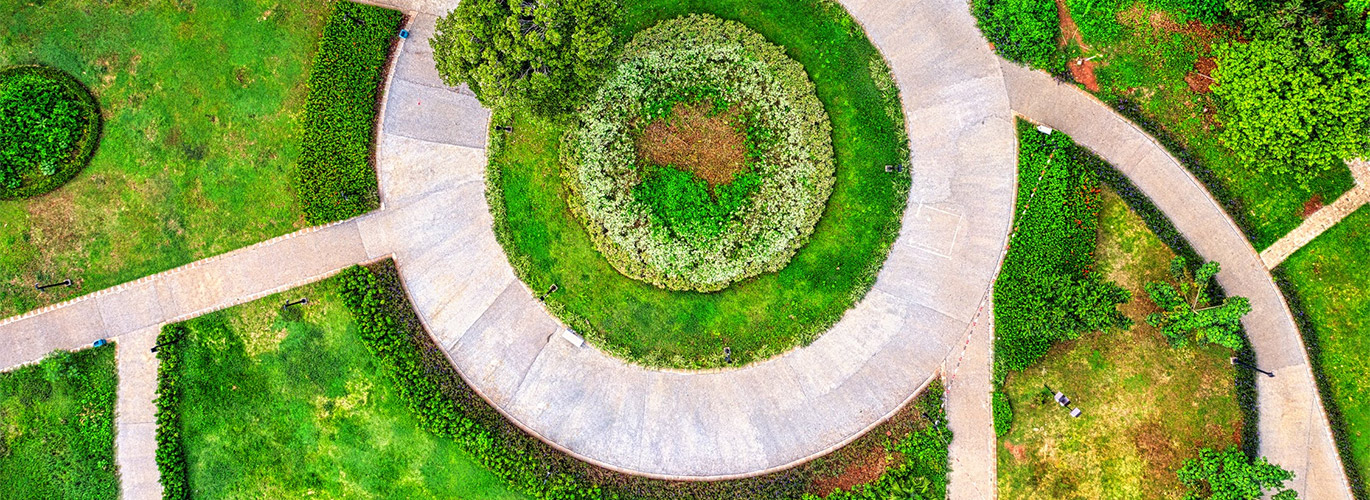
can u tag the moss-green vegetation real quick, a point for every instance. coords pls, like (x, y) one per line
(336, 179)
(1327, 287)
(756, 318)
(57, 427)
(49, 127)
(1021, 30)
(1147, 407)
(199, 144)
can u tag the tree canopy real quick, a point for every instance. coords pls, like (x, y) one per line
(1230, 475)
(538, 53)
(1184, 313)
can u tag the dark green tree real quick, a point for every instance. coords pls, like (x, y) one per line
(1231, 475)
(540, 53)
(1186, 312)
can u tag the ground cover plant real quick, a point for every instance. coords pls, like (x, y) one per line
(1153, 61)
(755, 318)
(258, 402)
(49, 128)
(667, 224)
(1021, 30)
(1048, 290)
(337, 178)
(1146, 406)
(199, 145)
(57, 427)
(1326, 286)
(1231, 474)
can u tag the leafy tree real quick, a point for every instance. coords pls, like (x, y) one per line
(1185, 313)
(1231, 475)
(1296, 98)
(542, 53)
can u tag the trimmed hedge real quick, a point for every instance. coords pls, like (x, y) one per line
(336, 178)
(49, 129)
(171, 454)
(1003, 413)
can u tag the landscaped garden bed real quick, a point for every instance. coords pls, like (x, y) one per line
(788, 303)
(49, 128)
(201, 137)
(57, 427)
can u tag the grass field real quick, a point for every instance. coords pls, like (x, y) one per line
(1145, 69)
(290, 405)
(200, 103)
(1147, 407)
(1330, 280)
(57, 427)
(759, 317)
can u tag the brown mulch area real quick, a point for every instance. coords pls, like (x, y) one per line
(1082, 70)
(694, 139)
(1312, 205)
(1070, 32)
(861, 470)
(1201, 79)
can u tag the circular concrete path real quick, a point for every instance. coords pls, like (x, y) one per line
(740, 422)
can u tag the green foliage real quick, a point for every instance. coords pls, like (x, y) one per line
(1295, 100)
(336, 179)
(1047, 290)
(538, 53)
(1231, 475)
(49, 127)
(171, 453)
(680, 236)
(1022, 30)
(1205, 11)
(1184, 313)
(1097, 19)
(1003, 414)
(57, 427)
(923, 473)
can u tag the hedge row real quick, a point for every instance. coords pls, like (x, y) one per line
(171, 455)
(336, 179)
(1047, 290)
(49, 129)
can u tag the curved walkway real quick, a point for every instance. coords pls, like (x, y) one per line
(1293, 428)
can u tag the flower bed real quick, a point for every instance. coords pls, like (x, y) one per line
(49, 127)
(662, 223)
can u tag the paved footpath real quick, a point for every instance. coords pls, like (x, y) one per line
(1293, 427)
(973, 449)
(1322, 219)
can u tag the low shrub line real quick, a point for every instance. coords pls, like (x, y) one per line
(171, 455)
(337, 179)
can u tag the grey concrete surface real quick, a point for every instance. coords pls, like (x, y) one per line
(970, 415)
(135, 418)
(1293, 427)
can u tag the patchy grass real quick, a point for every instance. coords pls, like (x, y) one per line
(1327, 284)
(200, 139)
(759, 317)
(291, 404)
(1156, 71)
(1147, 406)
(57, 427)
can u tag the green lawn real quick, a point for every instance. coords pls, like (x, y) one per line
(1330, 288)
(291, 404)
(1147, 406)
(201, 103)
(759, 317)
(57, 427)
(1146, 67)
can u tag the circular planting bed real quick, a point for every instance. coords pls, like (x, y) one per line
(49, 126)
(704, 159)
(724, 188)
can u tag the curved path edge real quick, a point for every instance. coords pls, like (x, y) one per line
(1294, 432)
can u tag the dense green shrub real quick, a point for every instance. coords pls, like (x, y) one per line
(1003, 414)
(1022, 30)
(1295, 99)
(661, 225)
(1205, 11)
(1097, 19)
(336, 179)
(1186, 310)
(1231, 475)
(535, 53)
(171, 453)
(1047, 290)
(49, 127)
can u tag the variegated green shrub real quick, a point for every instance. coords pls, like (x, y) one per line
(790, 158)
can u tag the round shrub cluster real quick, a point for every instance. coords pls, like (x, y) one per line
(662, 225)
(49, 124)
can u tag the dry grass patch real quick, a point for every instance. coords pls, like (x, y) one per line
(697, 139)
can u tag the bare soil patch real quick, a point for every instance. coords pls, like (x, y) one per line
(1312, 205)
(1201, 79)
(1070, 32)
(1082, 70)
(698, 140)
(864, 469)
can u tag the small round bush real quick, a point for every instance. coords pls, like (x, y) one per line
(49, 125)
(690, 226)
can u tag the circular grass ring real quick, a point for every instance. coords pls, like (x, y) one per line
(758, 317)
(668, 225)
(49, 129)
